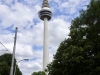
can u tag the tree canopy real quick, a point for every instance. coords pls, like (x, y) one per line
(39, 73)
(5, 64)
(80, 53)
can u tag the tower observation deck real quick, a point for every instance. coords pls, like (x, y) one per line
(45, 12)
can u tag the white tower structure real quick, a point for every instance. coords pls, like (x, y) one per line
(45, 14)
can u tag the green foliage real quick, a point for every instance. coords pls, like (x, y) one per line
(7, 58)
(4, 68)
(18, 72)
(80, 54)
(5, 64)
(39, 73)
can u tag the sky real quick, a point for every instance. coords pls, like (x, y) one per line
(24, 15)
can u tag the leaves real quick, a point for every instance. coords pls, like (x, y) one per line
(39, 73)
(78, 55)
(4, 68)
(5, 64)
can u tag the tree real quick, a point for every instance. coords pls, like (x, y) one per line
(4, 68)
(57, 66)
(5, 64)
(39, 73)
(80, 53)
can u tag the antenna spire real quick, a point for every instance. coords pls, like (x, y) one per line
(45, 3)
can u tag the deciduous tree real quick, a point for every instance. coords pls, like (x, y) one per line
(80, 53)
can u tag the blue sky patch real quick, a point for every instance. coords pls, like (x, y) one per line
(37, 47)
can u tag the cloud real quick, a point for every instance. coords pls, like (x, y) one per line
(58, 31)
(18, 15)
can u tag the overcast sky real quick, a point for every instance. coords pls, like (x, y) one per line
(24, 15)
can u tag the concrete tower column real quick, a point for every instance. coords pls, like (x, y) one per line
(45, 14)
(45, 51)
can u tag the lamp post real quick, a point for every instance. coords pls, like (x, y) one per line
(13, 55)
(17, 64)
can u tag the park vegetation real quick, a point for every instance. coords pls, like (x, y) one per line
(5, 65)
(80, 53)
(39, 73)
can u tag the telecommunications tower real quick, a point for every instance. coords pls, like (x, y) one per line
(45, 14)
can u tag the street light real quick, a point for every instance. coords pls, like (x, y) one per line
(17, 64)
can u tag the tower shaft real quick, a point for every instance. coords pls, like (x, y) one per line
(45, 51)
(45, 14)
